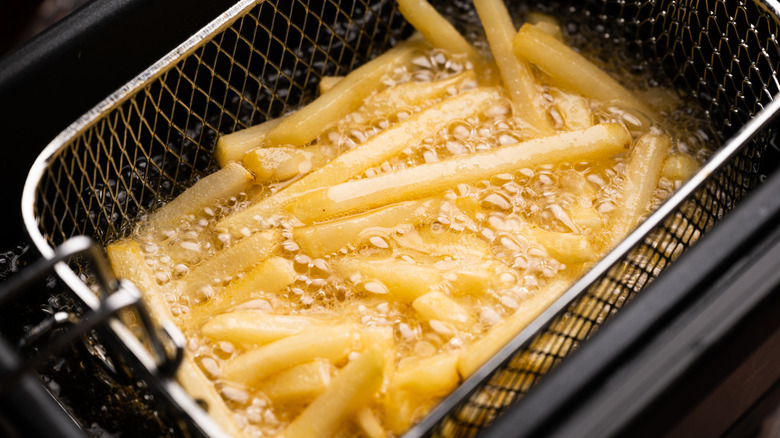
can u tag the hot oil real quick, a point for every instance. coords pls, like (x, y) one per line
(493, 214)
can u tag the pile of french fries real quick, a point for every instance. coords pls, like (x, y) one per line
(353, 261)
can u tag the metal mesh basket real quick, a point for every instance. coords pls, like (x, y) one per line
(155, 137)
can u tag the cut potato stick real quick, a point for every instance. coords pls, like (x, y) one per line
(410, 94)
(515, 73)
(405, 281)
(680, 167)
(431, 376)
(281, 163)
(328, 82)
(435, 28)
(572, 70)
(220, 185)
(233, 147)
(249, 327)
(321, 239)
(477, 353)
(437, 306)
(369, 424)
(199, 387)
(546, 23)
(333, 343)
(382, 339)
(600, 141)
(568, 248)
(372, 152)
(573, 109)
(446, 243)
(641, 180)
(227, 263)
(352, 387)
(128, 263)
(299, 384)
(307, 123)
(469, 283)
(269, 277)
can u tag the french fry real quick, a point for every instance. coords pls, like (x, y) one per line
(546, 23)
(574, 110)
(431, 376)
(369, 424)
(352, 387)
(372, 152)
(559, 61)
(587, 219)
(641, 180)
(515, 73)
(300, 384)
(199, 387)
(471, 283)
(220, 185)
(321, 239)
(435, 28)
(382, 339)
(306, 124)
(411, 94)
(333, 343)
(405, 281)
(680, 167)
(250, 327)
(328, 82)
(228, 262)
(568, 248)
(437, 306)
(474, 355)
(269, 277)
(282, 162)
(233, 147)
(597, 142)
(447, 243)
(128, 263)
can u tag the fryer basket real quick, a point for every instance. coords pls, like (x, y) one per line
(155, 137)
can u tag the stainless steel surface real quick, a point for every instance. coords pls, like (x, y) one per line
(155, 137)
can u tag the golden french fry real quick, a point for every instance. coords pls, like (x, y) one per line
(680, 167)
(369, 424)
(568, 248)
(573, 70)
(197, 283)
(574, 110)
(435, 28)
(328, 82)
(437, 306)
(641, 180)
(299, 384)
(597, 142)
(382, 339)
(447, 243)
(199, 387)
(333, 343)
(515, 73)
(306, 124)
(321, 239)
(431, 376)
(474, 355)
(233, 147)
(269, 277)
(405, 281)
(256, 327)
(220, 185)
(279, 163)
(546, 23)
(469, 283)
(412, 94)
(352, 387)
(128, 263)
(372, 152)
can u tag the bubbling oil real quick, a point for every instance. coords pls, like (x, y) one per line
(478, 230)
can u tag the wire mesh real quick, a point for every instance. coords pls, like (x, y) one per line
(158, 139)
